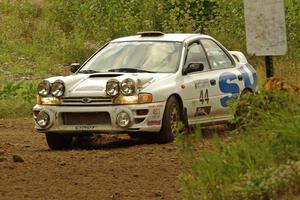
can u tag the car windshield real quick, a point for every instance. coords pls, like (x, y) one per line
(149, 57)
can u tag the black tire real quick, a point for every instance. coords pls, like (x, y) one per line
(170, 121)
(59, 141)
(232, 125)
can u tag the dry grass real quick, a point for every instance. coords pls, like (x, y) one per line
(277, 84)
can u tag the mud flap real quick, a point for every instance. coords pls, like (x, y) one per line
(184, 118)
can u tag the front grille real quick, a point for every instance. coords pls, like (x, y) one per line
(87, 101)
(90, 118)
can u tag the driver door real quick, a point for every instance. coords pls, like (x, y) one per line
(198, 86)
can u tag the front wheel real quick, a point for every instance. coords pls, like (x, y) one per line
(59, 141)
(170, 121)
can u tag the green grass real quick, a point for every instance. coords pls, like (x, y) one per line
(17, 99)
(261, 160)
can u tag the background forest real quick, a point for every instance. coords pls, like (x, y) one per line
(40, 38)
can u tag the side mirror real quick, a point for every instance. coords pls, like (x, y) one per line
(74, 67)
(193, 67)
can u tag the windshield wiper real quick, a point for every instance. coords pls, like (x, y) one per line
(88, 71)
(129, 70)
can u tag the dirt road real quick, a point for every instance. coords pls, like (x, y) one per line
(120, 168)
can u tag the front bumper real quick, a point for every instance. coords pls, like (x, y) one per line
(81, 119)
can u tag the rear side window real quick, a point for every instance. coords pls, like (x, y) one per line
(216, 55)
(196, 54)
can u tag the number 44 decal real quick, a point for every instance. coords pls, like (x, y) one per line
(204, 96)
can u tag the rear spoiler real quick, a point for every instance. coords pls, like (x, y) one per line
(239, 56)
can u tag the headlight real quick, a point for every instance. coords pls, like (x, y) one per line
(44, 88)
(58, 88)
(126, 99)
(52, 101)
(112, 87)
(134, 99)
(127, 87)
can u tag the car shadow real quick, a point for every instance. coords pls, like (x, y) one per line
(124, 141)
(110, 142)
(119, 141)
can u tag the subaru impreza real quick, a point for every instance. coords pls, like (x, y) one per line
(141, 84)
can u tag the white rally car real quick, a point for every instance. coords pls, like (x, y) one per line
(145, 83)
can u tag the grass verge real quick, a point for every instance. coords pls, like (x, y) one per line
(17, 98)
(260, 160)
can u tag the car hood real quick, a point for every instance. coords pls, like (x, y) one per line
(95, 84)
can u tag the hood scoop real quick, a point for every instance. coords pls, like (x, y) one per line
(104, 75)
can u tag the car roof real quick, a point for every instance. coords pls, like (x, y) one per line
(169, 37)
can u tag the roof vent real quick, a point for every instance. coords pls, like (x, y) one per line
(150, 33)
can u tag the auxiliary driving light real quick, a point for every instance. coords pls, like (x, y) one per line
(127, 87)
(58, 88)
(123, 119)
(42, 119)
(112, 88)
(44, 88)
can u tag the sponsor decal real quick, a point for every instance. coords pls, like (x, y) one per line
(201, 83)
(85, 127)
(153, 122)
(156, 111)
(156, 106)
(200, 111)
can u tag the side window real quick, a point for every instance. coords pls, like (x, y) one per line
(196, 54)
(217, 57)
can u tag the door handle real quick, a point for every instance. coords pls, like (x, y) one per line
(240, 77)
(213, 82)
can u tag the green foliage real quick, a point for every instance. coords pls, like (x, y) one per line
(101, 21)
(282, 179)
(190, 16)
(259, 161)
(60, 32)
(17, 98)
(229, 24)
(293, 27)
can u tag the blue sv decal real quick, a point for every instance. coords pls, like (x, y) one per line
(246, 77)
(227, 87)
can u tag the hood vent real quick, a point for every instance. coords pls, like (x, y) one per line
(104, 75)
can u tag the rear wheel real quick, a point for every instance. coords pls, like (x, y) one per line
(170, 122)
(242, 110)
(59, 141)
